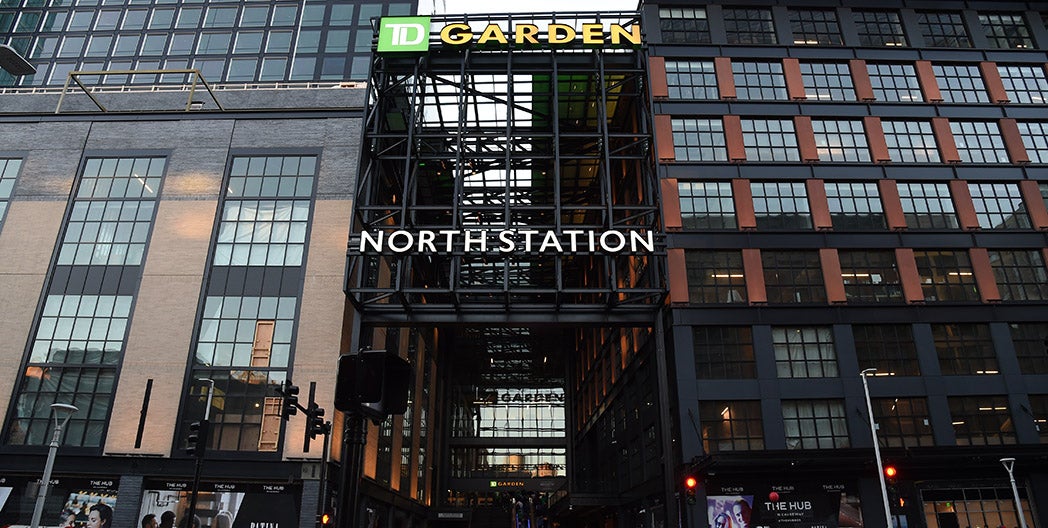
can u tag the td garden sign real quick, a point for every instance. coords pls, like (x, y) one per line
(412, 34)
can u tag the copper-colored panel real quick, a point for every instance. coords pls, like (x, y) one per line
(1034, 203)
(743, 197)
(875, 138)
(670, 204)
(908, 275)
(657, 73)
(1013, 141)
(962, 203)
(725, 77)
(831, 275)
(984, 275)
(992, 80)
(893, 212)
(664, 137)
(861, 80)
(944, 138)
(733, 138)
(926, 78)
(678, 270)
(805, 138)
(751, 264)
(820, 207)
(791, 69)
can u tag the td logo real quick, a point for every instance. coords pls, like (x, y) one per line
(403, 34)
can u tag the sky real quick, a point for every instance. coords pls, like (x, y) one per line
(533, 6)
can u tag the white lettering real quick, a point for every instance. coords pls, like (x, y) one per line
(508, 245)
(645, 239)
(425, 240)
(604, 241)
(551, 240)
(407, 246)
(401, 32)
(470, 240)
(376, 244)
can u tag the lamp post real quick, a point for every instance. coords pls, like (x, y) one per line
(876, 446)
(56, 439)
(205, 426)
(13, 62)
(1009, 464)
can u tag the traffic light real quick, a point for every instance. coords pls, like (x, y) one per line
(374, 382)
(315, 424)
(890, 473)
(691, 485)
(196, 443)
(290, 394)
(891, 486)
(326, 519)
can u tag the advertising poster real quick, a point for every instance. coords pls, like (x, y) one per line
(224, 504)
(793, 505)
(69, 500)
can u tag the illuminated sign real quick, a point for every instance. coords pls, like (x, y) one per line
(412, 34)
(506, 241)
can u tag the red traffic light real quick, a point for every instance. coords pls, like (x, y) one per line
(890, 471)
(691, 482)
(325, 519)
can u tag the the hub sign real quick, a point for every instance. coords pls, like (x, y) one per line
(411, 34)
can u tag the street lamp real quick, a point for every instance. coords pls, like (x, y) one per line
(205, 428)
(13, 62)
(56, 438)
(876, 446)
(1009, 464)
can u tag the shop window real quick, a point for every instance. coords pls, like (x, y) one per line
(759, 81)
(706, 205)
(815, 424)
(964, 349)
(8, 173)
(1006, 30)
(724, 352)
(979, 141)
(792, 277)
(946, 276)
(943, 29)
(981, 420)
(1020, 275)
(960, 83)
(972, 507)
(894, 82)
(927, 206)
(888, 348)
(870, 276)
(749, 26)
(815, 27)
(842, 140)
(804, 352)
(1024, 84)
(731, 426)
(855, 206)
(715, 277)
(1029, 340)
(902, 422)
(879, 28)
(699, 140)
(770, 140)
(910, 141)
(827, 81)
(1039, 410)
(781, 205)
(999, 206)
(691, 80)
(687, 25)
(1035, 139)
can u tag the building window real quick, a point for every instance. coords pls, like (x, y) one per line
(979, 141)
(879, 28)
(927, 206)
(8, 173)
(715, 277)
(781, 205)
(960, 83)
(770, 140)
(1029, 340)
(749, 26)
(684, 25)
(699, 140)
(804, 352)
(1024, 84)
(1006, 30)
(841, 140)
(827, 81)
(981, 420)
(815, 27)
(1035, 139)
(888, 348)
(1039, 410)
(706, 205)
(902, 422)
(894, 82)
(731, 426)
(792, 277)
(759, 81)
(943, 30)
(999, 206)
(691, 80)
(964, 349)
(815, 424)
(910, 141)
(724, 352)
(266, 211)
(946, 276)
(1020, 275)
(870, 276)
(855, 206)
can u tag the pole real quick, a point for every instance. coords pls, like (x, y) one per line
(198, 467)
(1009, 464)
(356, 437)
(876, 447)
(56, 439)
(323, 470)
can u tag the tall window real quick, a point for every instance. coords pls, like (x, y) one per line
(960, 83)
(870, 276)
(731, 425)
(792, 277)
(999, 206)
(855, 206)
(927, 206)
(815, 424)
(910, 141)
(1025, 84)
(964, 349)
(8, 172)
(815, 27)
(749, 26)
(981, 420)
(1006, 30)
(943, 30)
(827, 81)
(1035, 139)
(699, 140)
(724, 352)
(804, 352)
(902, 422)
(687, 25)
(1020, 275)
(946, 276)
(1029, 339)
(979, 141)
(888, 348)
(691, 79)
(781, 205)
(879, 28)
(706, 205)
(770, 140)
(715, 277)
(1039, 410)
(894, 82)
(759, 81)
(841, 140)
